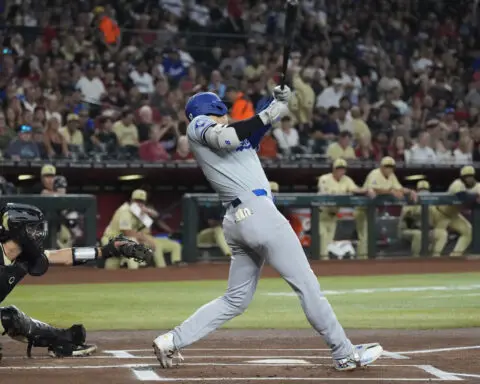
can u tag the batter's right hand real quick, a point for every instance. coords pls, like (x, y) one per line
(282, 95)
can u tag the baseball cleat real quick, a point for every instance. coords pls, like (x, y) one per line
(363, 355)
(78, 351)
(165, 350)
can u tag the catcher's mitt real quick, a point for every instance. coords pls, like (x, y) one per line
(121, 246)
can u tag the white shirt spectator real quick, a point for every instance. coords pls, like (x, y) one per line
(200, 14)
(462, 158)
(422, 155)
(422, 64)
(143, 81)
(186, 58)
(173, 6)
(330, 97)
(92, 90)
(286, 140)
(345, 125)
(444, 157)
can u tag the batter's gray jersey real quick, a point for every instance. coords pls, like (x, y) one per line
(231, 172)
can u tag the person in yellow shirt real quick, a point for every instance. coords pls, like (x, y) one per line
(410, 224)
(334, 183)
(213, 235)
(126, 130)
(71, 132)
(342, 148)
(359, 128)
(126, 223)
(384, 182)
(449, 216)
(306, 99)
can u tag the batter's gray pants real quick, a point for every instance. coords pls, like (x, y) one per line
(256, 232)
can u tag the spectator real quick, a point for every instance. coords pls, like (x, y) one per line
(91, 86)
(342, 149)
(126, 131)
(6, 134)
(444, 155)
(343, 120)
(399, 150)
(104, 139)
(324, 128)
(242, 108)
(55, 144)
(142, 79)
(268, 148)
(173, 66)
(463, 154)
(380, 145)
(330, 97)
(364, 149)
(422, 153)
(183, 150)
(152, 150)
(216, 85)
(22, 147)
(159, 97)
(145, 120)
(287, 136)
(357, 126)
(170, 132)
(72, 135)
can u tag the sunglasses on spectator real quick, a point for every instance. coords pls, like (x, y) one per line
(7, 51)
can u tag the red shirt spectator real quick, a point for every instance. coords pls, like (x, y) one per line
(183, 150)
(268, 147)
(152, 150)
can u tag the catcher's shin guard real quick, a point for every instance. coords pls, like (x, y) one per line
(21, 327)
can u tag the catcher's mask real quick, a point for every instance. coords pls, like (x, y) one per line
(26, 224)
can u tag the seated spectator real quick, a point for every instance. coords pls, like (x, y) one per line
(72, 134)
(23, 147)
(126, 131)
(324, 129)
(91, 86)
(380, 145)
(343, 120)
(242, 108)
(358, 128)
(342, 148)
(170, 132)
(173, 66)
(330, 96)
(152, 150)
(142, 79)
(268, 148)
(104, 139)
(183, 150)
(55, 144)
(145, 119)
(398, 149)
(287, 136)
(6, 134)
(364, 149)
(463, 154)
(216, 85)
(444, 155)
(422, 153)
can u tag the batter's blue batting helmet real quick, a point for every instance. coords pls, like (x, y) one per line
(205, 103)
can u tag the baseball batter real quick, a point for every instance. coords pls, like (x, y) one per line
(255, 231)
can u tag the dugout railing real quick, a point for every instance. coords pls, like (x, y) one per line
(193, 202)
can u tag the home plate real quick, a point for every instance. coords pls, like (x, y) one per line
(279, 361)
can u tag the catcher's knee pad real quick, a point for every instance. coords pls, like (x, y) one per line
(21, 327)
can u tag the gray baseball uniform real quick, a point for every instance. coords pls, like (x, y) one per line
(256, 232)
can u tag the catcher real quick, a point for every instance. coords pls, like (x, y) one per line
(22, 232)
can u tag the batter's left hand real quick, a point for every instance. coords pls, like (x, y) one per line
(282, 95)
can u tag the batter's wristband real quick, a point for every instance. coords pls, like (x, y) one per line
(83, 254)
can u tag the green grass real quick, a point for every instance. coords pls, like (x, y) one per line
(163, 305)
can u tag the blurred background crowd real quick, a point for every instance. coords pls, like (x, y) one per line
(109, 79)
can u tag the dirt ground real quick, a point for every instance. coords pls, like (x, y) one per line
(254, 356)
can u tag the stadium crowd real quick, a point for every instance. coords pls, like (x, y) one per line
(109, 79)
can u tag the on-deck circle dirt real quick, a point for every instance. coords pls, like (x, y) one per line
(260, 356)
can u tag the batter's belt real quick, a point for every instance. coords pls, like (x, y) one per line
(257, 192)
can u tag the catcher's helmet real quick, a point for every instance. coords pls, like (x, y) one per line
(205, 103)
(26, 224)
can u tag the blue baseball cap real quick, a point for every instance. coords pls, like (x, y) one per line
(25, 129)
(205, 103)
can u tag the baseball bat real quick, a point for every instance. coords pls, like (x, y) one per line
(291, 16)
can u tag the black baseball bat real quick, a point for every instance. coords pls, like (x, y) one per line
(290, 18)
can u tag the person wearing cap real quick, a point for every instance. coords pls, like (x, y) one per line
(91, 86)
(450, 216)
(23, 146)
(47, 175)
(410, 224)
(384, 182)
(73, 136)
(342, 149)
(335, 183)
